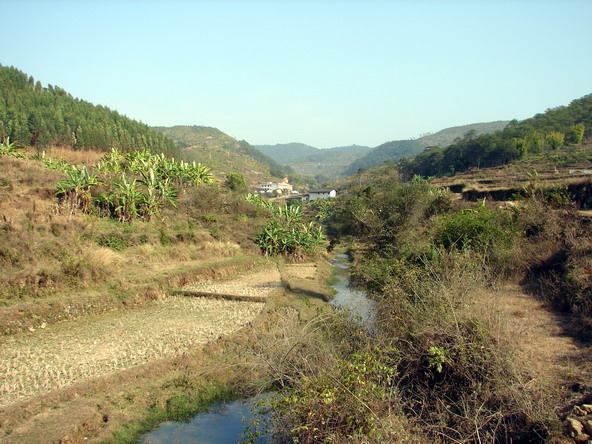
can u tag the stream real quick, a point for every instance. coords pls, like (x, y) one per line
(226, 422)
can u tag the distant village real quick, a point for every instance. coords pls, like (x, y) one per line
(284, 188)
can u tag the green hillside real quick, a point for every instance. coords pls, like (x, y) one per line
(399, 149)
(38, 116)
(346, 160)
(212, 146)
(392, 151)
(542, 135)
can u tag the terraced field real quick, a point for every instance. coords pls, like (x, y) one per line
(34, 363)
(255, 285)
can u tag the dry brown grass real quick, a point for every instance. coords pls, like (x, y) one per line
(78, 157)
(537, 336)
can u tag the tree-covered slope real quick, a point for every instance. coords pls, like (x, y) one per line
(31, 114)
(543, 134)
(399, 149)
(393, 151)
(198, 141)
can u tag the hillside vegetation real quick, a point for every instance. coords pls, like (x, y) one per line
(404, 149)
(347, 160)
(389, 151)
(108, 229)
(38, 116)
(222, 152)
(543, 134)
(440, 364)
(322, 164)
(445, 137)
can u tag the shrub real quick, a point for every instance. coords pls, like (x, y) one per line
(115, 240)
(235, 181)
(347, 399)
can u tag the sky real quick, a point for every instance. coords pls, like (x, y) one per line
(326, 73)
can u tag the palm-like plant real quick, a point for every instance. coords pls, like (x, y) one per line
(111, 162)
(291, 214)
(126, 199)
(76, 190)
(10, 149)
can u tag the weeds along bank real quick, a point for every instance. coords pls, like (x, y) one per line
(438, 367)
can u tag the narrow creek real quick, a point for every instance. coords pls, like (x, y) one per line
(227, 422)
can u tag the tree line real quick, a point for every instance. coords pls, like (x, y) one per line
(545, 132)
(38, 116)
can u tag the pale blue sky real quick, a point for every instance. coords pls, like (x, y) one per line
(325, 73)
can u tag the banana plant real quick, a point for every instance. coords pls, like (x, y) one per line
(10, 149)
(76, 190)
(111, 162)
(126, 199)
(291, 214)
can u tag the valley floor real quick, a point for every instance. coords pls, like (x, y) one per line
(82, 380)
(85, 379)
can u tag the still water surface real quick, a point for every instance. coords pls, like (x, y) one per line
(226, 422)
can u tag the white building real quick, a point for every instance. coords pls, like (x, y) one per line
(319, 194)
(268, 187)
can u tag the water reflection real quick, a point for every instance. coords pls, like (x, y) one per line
(348, 298)
(224, 423)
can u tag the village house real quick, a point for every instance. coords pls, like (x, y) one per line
(319, 194)
(282, 187)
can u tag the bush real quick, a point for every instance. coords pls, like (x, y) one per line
(347, 399)
(115, 240)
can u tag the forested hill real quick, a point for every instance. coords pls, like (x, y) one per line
(323, 163)
(285, 153)
(202, 143)
(399, 149)
(31, 114)
(293, 153)
(542, 134)
(393, 151)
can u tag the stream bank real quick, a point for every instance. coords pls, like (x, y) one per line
(228, 422)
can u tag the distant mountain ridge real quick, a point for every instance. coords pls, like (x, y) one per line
(395, 150)
(347, 160)
(399, 149)
(222, 152)
(300, 152)
(311, 161)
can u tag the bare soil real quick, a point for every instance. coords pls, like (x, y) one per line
(257, 284)
(44, 372)
(63, 354)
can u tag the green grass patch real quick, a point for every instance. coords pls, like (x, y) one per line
(178, 407)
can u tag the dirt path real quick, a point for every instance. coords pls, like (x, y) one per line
(35, 363)
(550, 356)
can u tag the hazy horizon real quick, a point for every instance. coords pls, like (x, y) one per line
(324, 73)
